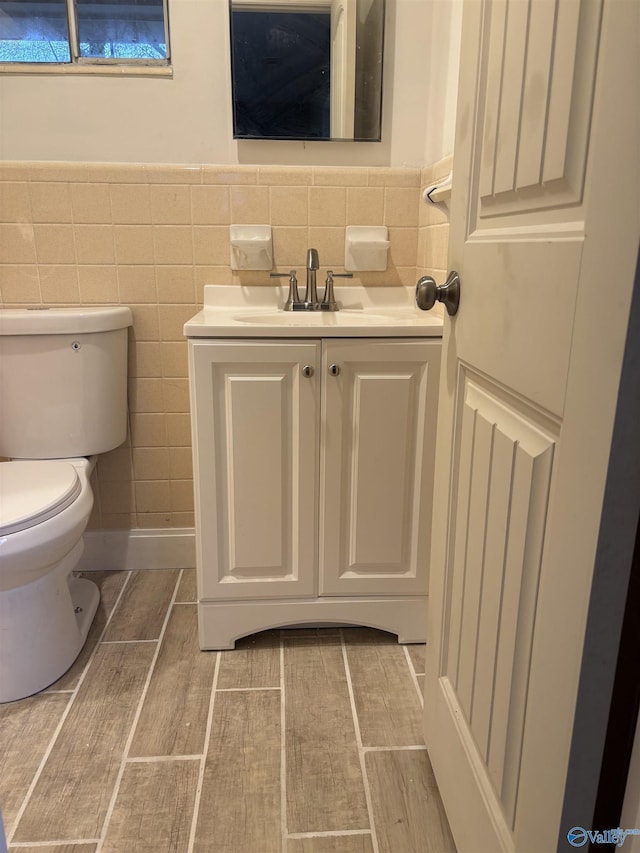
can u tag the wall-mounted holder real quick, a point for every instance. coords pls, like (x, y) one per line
(366, 248)
(439, 193)
(251, 247)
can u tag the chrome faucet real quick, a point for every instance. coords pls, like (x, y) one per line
(311, 293)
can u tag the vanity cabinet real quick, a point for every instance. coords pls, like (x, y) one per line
(313, 478)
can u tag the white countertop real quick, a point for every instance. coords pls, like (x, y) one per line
(231, 311)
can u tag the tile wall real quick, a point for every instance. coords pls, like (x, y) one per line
(150, 237)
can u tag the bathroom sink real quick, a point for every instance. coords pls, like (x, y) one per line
(232, 311)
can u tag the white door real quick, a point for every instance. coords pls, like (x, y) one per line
(255, 412)
(379, 403)
(544, 233)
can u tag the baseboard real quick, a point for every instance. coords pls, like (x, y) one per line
(112, 550)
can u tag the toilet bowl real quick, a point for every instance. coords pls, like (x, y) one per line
(62, 389)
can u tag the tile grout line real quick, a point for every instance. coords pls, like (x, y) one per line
(203, 760)
(283, 753)
(244, 689)
(412, 673)
(330, 833)
(361, 754)
(143, 696)
(156, 759)
(63, 717)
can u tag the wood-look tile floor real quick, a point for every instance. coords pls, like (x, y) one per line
(300, 741)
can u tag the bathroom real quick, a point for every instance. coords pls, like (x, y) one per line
(92, 214)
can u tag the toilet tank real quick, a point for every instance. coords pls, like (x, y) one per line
(63, 381)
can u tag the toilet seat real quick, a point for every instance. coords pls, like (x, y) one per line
(33, 491)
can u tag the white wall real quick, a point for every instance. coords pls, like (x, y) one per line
(187, 118)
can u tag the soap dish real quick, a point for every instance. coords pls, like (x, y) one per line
(251, 247)
(366, 248)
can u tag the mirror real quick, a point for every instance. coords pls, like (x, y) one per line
(307, 69)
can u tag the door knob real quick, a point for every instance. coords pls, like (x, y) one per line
(428, 293)
(307, 371)
(334, 369)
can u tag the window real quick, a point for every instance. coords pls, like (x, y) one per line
(84, 31)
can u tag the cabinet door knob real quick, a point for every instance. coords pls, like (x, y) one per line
(334, 369)
(307, 371)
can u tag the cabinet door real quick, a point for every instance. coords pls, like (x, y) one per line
(255, 426)
(378, 436)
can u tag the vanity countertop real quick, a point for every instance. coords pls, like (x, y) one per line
(232, 311)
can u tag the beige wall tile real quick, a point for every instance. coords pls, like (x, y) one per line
(365, 206)
(211, 244)
(175, 284)
(151, 463)
(116, 173)
(327, 206)
(54, 244)
(173, 244)
(163, 173)
(170, 205)
(249, 205)
(119, 521)
(98, 284)
(173, 720)
(182, 519)
(117, 497)
(50, 202)
(134, 244)
(150, 430)
(90, 203)
(152, 496)
(404, 246)
(178, 430)
(146, 395)
(401, 206)
(137, 283)
(289, 205)
(437, 246)
(172, 320)
(94, 244)
(145, 358)
(181, 495)
(330, 245)
(394, 177)
(115, 466)
(93, 735)
(59, 284)
(174, 358)
(229, 175)
(347, 176)
(19, 283)
(181, 464)
(146, 322)
(289, 249)
(279, 176)
(176, 394)
(15, 205)
(153, 808)
(210, 205)
(151, 520)
(130, 204)
(17, 244)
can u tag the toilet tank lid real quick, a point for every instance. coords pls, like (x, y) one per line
(60, 321)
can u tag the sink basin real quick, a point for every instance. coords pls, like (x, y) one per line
(230, 311)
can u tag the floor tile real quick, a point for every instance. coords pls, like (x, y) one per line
(56, 848)
(255, 662)
(331, 844)
(143, 607)
(389, 711)
(324, 786)
(153, 810)
(187, 590)
(417, 654)
(240, 802)
(174, 714)
(409, 815)
(26, 728)
(73, 792)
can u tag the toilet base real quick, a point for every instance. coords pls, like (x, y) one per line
(43, 627)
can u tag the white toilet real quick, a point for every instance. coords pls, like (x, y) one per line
(63, 399)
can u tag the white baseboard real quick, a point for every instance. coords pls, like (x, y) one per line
(161, 548)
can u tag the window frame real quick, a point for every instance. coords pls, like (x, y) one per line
(95, 64)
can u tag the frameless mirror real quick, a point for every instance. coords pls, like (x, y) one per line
(307, 69)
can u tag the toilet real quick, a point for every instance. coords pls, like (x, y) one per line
(63, 400)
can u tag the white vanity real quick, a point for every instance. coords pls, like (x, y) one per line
(314, 442)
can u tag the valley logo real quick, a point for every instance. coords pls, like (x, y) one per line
(578, 836)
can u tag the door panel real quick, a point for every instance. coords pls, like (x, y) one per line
(256, 454)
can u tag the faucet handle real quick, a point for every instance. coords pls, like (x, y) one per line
(293, 296)
(328, 300)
